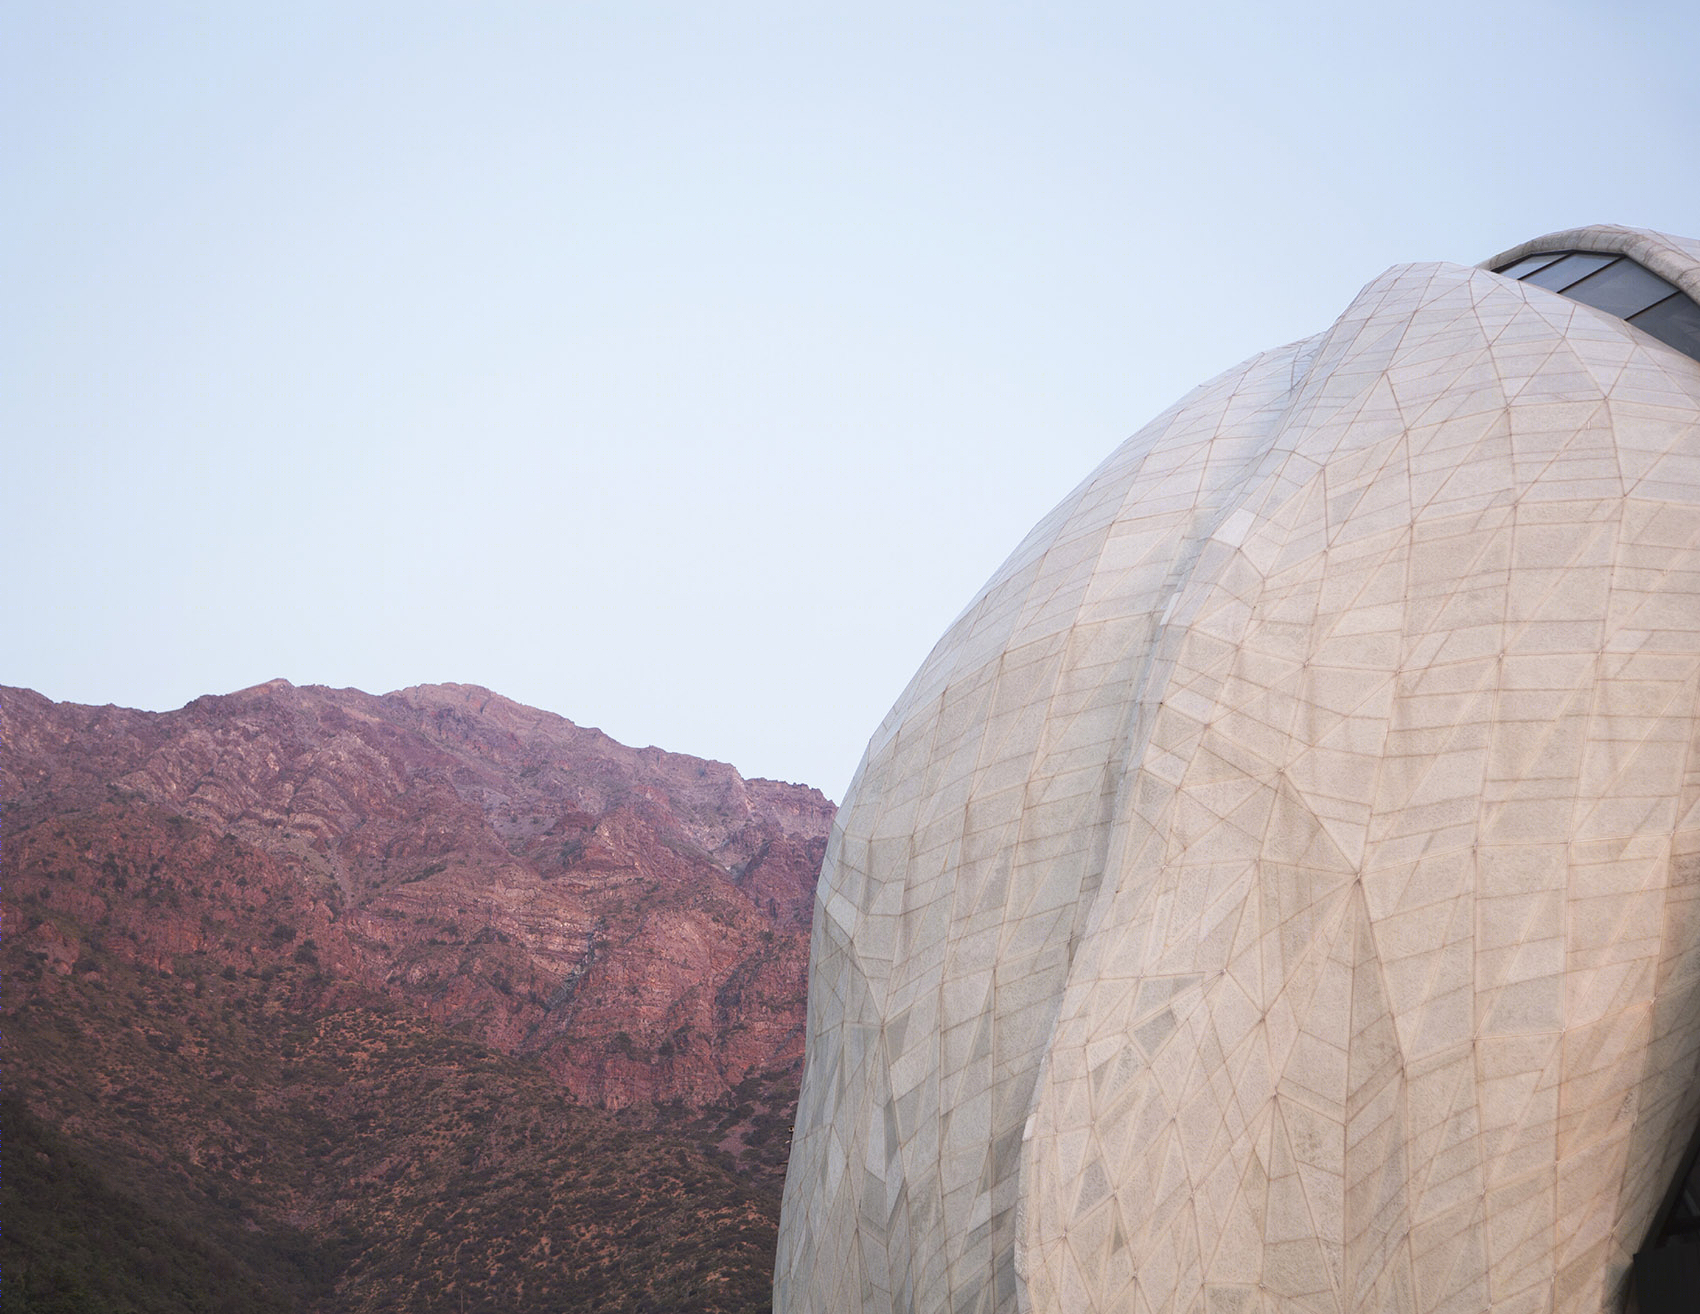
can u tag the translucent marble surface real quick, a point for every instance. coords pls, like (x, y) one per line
(1278, 890)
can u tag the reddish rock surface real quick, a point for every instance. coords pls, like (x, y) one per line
(635, 921)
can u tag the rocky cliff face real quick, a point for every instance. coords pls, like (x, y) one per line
(636, 920)
(583, 965)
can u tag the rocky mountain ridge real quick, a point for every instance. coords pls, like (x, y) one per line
(635, 920)
(418, 1001)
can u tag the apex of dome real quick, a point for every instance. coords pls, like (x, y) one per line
(1676, 259)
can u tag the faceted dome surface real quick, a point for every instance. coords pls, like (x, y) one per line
(1278, 890)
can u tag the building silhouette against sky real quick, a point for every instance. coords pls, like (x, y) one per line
(1280, 888)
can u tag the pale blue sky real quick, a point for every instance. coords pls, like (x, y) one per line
(684, 369)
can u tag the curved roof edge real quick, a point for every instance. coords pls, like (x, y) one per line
(1674, 259)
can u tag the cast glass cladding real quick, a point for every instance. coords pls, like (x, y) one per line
(1279, 891)
(1618, 286)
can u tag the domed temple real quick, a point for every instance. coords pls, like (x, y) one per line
(1280, 889)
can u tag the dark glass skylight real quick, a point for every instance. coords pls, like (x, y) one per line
(1529, 264)
(1619, 286)
(1673, 321)
(1572, 269)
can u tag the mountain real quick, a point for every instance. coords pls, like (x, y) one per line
(421, 1001)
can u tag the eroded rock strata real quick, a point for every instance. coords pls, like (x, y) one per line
(296, 963)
